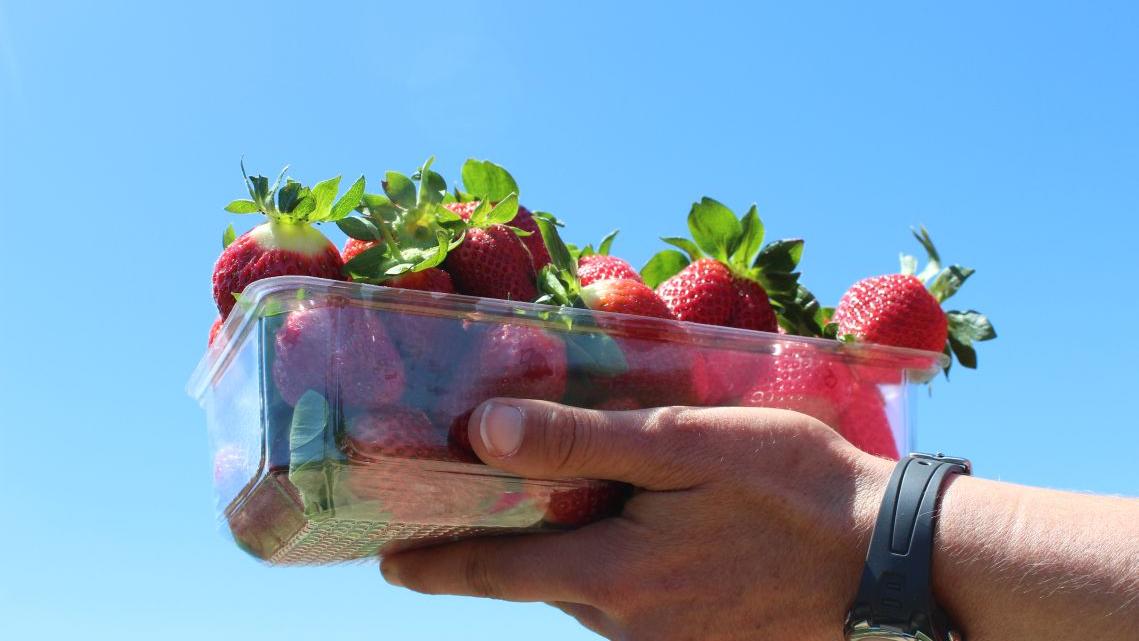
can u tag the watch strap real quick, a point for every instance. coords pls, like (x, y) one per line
(896, 587)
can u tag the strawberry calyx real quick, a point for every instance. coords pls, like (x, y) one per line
(965, 327)
(717, 233)
(603, 247)
(295, 203)
(408, 227)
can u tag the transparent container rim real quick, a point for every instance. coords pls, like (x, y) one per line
(241, 321)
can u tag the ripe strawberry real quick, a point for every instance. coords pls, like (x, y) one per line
(287, 244)
(595, 267)
(524, 220)
(721, 376)
(898, 310)
(802, 380)
(393, 431)
(353, 247)
(575, 507)
(338, 350)
(624, 296)
(214, 329)
(864, 423)
(491, 261)
(659, 374)
(701, 293)
(726, 276)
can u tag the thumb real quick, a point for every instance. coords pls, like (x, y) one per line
(539, 439)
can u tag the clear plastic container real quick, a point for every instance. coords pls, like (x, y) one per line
(337, 411)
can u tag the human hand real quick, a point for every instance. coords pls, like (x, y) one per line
(750, 523)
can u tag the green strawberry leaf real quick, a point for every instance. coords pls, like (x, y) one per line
(948, 281)
(359, 228)
(303, 209)
(228, 236)
(964, 352)
(308, 449)
(663, 266)
(780, 256)
(560, 255)
(970, 326)
(594, 352)
(934, 265)
(324, 193)
(486, 180)
(399, 189)
(503, 212)
(686, 245)
(751, 238)
(348, 202)
(368, 263)
(607, 242)
(554, 291)
(289, 196)
(714, 228)
(242, 206)
(436, 256)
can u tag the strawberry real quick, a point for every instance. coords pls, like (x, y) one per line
(337, 350)
(720, 375)
(726, 276)
(353, 247)
(659, 374)
(804, 380)
(595, 267)
(395, 432)
(899, 310)
(485, 180)
(539, 255)
(214, 329)
(520, 361)
(863, 422)
(578, 506)
(287, 244)
(624, 296)
(431, 279)
(701, 293)
(492, 260)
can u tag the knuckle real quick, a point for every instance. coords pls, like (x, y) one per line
(568, 439)
(478, 577)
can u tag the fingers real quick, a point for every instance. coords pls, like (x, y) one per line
(537, 567)
(652, 449)
(590, 617)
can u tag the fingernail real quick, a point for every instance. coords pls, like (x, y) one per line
(390, 574)
(501, 429)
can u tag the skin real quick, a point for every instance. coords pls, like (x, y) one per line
(754, 524)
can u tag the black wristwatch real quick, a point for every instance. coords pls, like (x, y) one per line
(895, 598)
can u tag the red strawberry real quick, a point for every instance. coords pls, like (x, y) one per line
(864, 423)
(524, 220)
(214, 329)
(701, 293)
(575, 507)
(659, 374)
(431, 279)
(492, 261)
(805, 381)
(287, 244)
(395, 432)
(893, 310)
(273, 249)
(899, 310)
(595, 267)
(751, 309)
(338, 350)
(721, 376)
(624, 296)
(353, 247)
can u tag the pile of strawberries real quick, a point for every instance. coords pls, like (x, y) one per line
(408, 383)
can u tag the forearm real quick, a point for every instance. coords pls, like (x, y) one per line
(1014, 563)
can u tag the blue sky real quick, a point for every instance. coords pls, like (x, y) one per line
(1010, 131)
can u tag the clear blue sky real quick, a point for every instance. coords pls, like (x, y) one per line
(1011, 132)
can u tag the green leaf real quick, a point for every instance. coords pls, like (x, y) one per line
(486, 180)
(349, 201)
(594, 352)
(964, 352)
(367, 264)
(503, 212)
(948, 281)
(228, 236)
(663, 266)
(289, 196)
(359, 228)
(399, 189)
(324, 193)
(607, 242)
(909, 264)
(435, 258)
(934, 265)
(560, 256)
(714, 228)
(970, 326)
(242, 206)
(686, 245)
(780, 256)
(552, 286)
(751, 238)
(303, 209)
(307, 433)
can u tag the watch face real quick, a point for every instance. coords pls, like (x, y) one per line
(867, 632)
